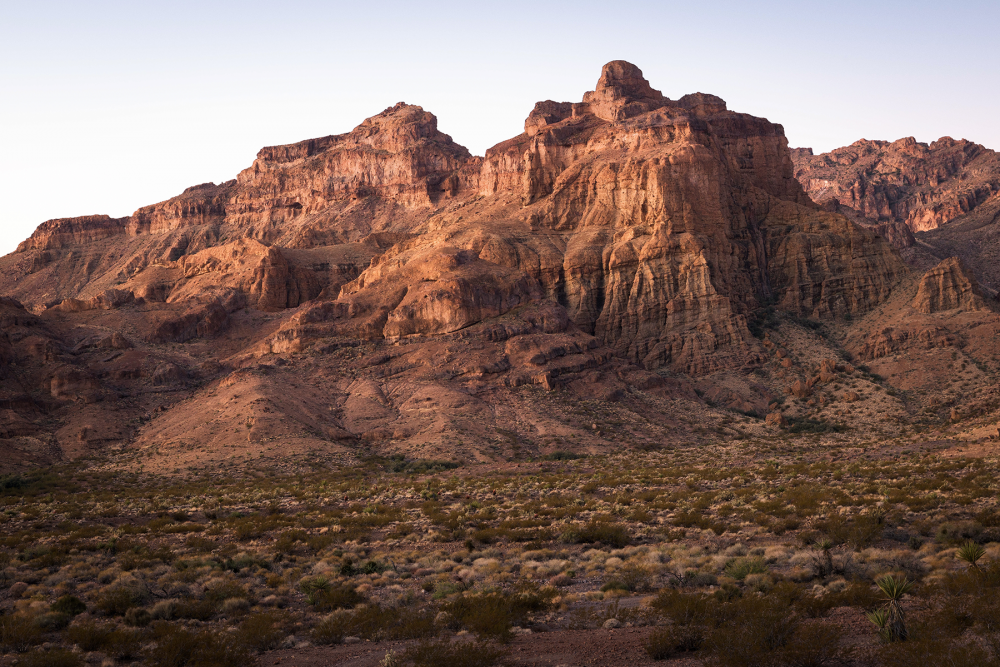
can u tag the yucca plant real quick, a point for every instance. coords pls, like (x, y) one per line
(880, 618)
(824, 559)
(890, 620)
(971, 553)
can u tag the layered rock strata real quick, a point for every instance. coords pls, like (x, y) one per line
(615, 236)
(904, 182)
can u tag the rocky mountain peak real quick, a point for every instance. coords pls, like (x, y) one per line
(622, 92)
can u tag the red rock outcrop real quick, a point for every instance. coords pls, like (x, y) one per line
(904, 182)
(948, 286)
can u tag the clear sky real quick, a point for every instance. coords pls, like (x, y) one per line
(108, 106)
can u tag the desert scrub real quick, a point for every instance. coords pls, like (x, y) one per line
(612, 534)
(375, 623)
(453, 654)
(179, 647)
(19, 633)
(263, 631)
(493, 614)
(740, 568)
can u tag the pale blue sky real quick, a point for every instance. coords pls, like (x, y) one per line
(108, 106)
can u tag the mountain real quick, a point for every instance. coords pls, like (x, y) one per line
(903, 187)
(603, 279)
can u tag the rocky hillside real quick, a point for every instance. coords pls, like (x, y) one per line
(901, 187)
(384, 291)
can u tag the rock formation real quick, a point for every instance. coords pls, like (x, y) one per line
(614, 250)
(948, 286)
(904, 182)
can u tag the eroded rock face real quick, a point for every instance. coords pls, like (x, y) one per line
(68, 232)
(948, 286)
(658, 226)
(614, 240)
(906, 182)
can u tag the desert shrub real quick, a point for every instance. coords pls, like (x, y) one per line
(225, 590)
(178, 647)
(19, 633)
(453, 654)
(69, 605)
(806, 426)
(739, 568)
(859, 532)
(375, 623)
(196, 610)
(137, 617)
(116, 600)
(398, 464)
(199, 543)
(562, 456)
(685, 608)
(243, 562)
(123, 643)
(751, 630)
(934, 651)
(326, 597)
(119, 643)
(88, 636)
(252, 527)
(672, 640)
(813, 645)
(54, 658)
(493, 614)
(630, 578)
(691, 617)
(52, 621)
(263, 631)
(957, 532)
(613, 585)
(612, 534)
(287, 540)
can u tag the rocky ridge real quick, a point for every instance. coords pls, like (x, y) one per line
(406, 292)
(902, 183)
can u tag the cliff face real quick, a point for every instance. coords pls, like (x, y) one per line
(904, 182)
(658, 225)
(619, 235)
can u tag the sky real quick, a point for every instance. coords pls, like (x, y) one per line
(109, 106)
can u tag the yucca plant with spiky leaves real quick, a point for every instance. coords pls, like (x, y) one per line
(971, 553)
(880, 619)
(891, 620)
(824, 560)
